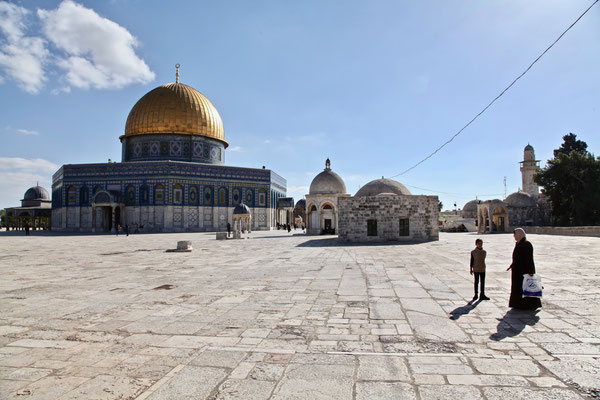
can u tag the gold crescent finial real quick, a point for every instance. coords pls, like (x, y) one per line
(177, 72)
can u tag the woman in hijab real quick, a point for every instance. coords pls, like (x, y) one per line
(522, 263)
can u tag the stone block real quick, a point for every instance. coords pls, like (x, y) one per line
(221, 235)
(184, 245)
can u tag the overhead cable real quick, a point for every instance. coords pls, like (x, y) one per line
(497, 97)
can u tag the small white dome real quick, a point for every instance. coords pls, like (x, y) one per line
(520, 199)
(383, 185)
(327, 182)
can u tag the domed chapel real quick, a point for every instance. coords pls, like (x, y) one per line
(382, 210)
(172, 177)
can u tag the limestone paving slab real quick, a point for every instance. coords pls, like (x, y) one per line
(284, 316)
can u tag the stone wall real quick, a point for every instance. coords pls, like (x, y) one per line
(563, 230)
(421, 211)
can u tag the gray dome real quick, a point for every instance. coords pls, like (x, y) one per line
(528, 147)
(520, 199)
(36, 193)
(301, 204)
(471, 206)
(241, 209)
(381, 186)
(327, 182)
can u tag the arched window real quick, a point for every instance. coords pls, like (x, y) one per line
(249, 198)
(262, 197)
(159, 194)
(222, 197)
(193, 196)
(327, 207)
(208, 196)
(84, 195)
(144, 194)
(97, 188)
(313, 208)
(177, 194)
(130, 195)
(236, 197)
(71, 195)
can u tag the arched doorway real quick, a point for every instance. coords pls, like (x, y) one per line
(106, 212)
(499, 220)
(328, 222)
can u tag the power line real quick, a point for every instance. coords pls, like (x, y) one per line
(497, 97)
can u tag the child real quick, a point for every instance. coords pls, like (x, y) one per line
(478, 267)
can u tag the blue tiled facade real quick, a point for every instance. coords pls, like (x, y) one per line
(165, 183)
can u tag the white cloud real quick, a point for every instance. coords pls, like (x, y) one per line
(94, 51)
(297, 192)
(24, 164)
(19, 174)
(235, 149)
(27, 132)
(99, 53)
(21, 57)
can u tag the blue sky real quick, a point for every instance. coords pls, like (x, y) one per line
(375, 86)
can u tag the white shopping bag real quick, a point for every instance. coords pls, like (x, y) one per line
(532, 286)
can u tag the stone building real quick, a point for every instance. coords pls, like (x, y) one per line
(385, 210)
(322, 202)
(522, 208)
(172, 176)
(35, 210)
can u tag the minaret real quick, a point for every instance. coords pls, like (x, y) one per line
(529, 166)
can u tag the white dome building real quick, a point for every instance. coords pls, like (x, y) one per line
(522, 208)
(322, 202)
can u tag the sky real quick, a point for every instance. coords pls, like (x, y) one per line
(373, 86)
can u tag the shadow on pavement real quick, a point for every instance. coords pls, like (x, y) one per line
(513, 323)
(464, 310)
(335, 242)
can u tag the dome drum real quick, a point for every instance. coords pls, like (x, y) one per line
(176, 147)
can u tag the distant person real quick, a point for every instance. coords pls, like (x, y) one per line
(522, 263)
(478, 268)
(126, 229)
(289, 228)
(26, 229)
(228, 229)
(117, 229)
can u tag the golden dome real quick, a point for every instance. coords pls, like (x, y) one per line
(175, 108)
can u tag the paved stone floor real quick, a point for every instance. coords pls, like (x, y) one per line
(285, 316)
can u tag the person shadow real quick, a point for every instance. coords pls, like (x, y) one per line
(514, 322)
(464, 310)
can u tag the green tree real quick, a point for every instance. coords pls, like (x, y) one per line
(572, 182)
(571, 143)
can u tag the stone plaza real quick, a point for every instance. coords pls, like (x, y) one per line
(290, 316)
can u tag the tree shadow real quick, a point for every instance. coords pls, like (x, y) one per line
(464, 310)
(514, 322)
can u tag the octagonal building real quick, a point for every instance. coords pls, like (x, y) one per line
(172, 177)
